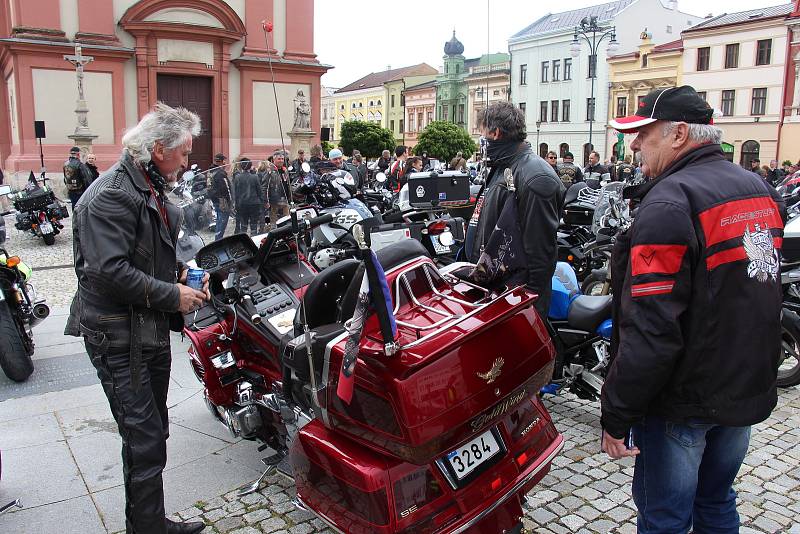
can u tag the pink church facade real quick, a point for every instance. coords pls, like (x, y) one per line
(207, 55)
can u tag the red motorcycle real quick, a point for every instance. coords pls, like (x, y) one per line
(444, 431)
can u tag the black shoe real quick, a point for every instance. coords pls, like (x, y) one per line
(192, 527)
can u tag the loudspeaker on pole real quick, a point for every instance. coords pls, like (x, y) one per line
(38, 127)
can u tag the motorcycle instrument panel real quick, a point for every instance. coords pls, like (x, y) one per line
(225, 252)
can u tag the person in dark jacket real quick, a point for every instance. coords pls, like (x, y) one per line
(552, 160)
(384, 161)
(595, 172)
(277, 189)
(76, 176)
(249, 197)
(91, 164)
(358, 169)
(697, 307)
(539, 197)
(568, 171)
(626, 171)
(131, 292)
(220, 195)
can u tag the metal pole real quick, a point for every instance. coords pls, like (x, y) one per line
(594, 74)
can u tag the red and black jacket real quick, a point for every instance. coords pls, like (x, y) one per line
(697, 298)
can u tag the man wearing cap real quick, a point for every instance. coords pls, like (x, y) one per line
(696, 314)
(301, 158)
(77, 176)
(220, 195)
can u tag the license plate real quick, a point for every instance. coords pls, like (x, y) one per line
(467, 458)
(46, 228)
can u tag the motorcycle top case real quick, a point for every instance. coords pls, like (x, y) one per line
(426, 189)
(452, 378)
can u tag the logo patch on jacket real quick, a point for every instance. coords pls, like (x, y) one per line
(760, 250)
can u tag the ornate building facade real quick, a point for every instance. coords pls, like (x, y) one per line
(207, 55)
(631, 76)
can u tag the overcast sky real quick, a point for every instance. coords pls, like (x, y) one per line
(363, 36)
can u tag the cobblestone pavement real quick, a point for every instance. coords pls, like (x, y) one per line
(584, 492)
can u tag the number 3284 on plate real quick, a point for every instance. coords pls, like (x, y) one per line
(465, 459)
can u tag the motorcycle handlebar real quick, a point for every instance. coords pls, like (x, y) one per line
(303, 225)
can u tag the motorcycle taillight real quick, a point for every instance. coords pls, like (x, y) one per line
(437, 227)
(42, 216)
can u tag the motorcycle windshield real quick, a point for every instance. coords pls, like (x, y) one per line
(608, 204)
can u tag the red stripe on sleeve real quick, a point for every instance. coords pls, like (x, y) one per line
(652, 288)
(729, 220)
(662, 259)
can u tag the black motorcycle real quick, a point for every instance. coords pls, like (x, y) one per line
(39, 211)
(20, 311)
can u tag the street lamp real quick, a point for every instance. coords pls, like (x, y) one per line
(593, 34)
(538, 126)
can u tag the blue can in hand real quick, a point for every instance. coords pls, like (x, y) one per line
(194, 278)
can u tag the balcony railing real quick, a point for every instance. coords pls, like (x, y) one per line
(495, 67)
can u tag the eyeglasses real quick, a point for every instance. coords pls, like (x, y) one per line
(551, 157)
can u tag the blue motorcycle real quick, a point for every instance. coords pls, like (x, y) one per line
(580, 326)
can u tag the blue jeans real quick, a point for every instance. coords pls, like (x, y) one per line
(684, 476)
(222, 222)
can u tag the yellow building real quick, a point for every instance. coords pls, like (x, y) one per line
(395, 104)
(366, 98)
(631, 76)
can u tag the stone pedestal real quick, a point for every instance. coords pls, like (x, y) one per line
(301, 139)
(83, 137)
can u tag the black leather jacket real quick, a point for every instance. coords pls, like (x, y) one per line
(540, 198)
(125, 263)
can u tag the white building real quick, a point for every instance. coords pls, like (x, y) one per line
(328, 112)
(555, 88)
(737, 61)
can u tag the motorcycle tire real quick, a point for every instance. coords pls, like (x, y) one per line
(14, 358)
(789, 375)
(593, 284)
(49, 239)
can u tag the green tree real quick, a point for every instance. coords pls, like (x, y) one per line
(327, 147)
(443, 140)
(367, 137)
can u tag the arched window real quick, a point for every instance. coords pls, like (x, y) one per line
(543, 149)
(563, 148)
(371, 103)
(370, 116)
(378, 116)
(361, 104)
(353, 106)
(750, 150)
(379, 103)
(588, 147)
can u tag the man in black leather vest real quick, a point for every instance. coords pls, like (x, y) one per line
(130, 294)
(76, 176)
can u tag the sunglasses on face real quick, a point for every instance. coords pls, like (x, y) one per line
(551, 157)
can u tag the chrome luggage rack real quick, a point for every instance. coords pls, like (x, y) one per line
(448, 319)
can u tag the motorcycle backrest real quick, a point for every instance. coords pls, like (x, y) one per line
(565, 290)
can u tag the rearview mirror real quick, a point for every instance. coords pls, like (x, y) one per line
(5, 190)
(305, 166)
(380, 177)
(188, 175)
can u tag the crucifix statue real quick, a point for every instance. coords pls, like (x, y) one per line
(79, 60)
(82, 136)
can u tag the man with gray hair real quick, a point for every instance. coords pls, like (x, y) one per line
(697, 318)
(131, 292)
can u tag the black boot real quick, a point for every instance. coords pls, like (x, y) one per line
(189, 527)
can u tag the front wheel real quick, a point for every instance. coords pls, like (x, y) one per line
(49, 239)
(14, 357)
(789, 360)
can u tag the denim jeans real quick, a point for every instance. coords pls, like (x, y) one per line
(684, 476)
(222, 222)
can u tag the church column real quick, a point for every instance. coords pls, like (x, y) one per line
(300, 40)
(256, 11)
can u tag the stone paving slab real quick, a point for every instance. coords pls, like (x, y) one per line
(51, 374)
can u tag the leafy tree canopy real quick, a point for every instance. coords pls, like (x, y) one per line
(367, 137)
(443, 140)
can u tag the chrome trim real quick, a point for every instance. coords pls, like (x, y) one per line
(475, 520)
(322, 516)
(325, 370)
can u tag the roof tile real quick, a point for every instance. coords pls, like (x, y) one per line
(376, 79)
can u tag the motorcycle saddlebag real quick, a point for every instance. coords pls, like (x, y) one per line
(577, 215)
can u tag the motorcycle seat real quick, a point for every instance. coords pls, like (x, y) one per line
(587, 312)
(401, 252)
